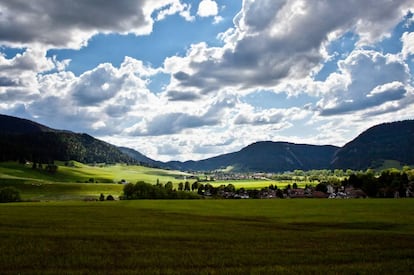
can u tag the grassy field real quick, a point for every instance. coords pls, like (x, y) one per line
(84, 182)
(208, 237)
(79, 182)
(81, 173)
(258, 184)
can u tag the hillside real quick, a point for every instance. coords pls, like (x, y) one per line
(14, 125)
(22, 140)
(388, 141)
(142, 159)
(266, 156)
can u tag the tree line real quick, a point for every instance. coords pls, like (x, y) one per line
(387, 184)
(143, 190)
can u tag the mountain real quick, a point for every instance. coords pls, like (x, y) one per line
(387, 141)
(266, 156)
(142, 159)
(14, 125)
(22, 139)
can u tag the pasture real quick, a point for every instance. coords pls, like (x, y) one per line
(260, 183)
(80, 181)
(84, 173)
(308, 236)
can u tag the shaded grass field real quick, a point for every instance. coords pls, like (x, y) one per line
(208, 237)
(58, 191)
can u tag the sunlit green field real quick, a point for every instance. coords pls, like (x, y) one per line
(258, 184)
(79, 182)
(81, 172)
(208, 237)
(87, 182)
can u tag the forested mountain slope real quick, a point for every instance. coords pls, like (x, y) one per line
(388, 141)
(22, 140)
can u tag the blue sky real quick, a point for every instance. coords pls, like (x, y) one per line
(180, 80)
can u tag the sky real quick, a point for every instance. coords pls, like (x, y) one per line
(181, 80)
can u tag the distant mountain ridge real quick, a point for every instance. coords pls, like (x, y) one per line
(25, 139)
(266, 156)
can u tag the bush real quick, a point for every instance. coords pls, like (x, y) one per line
(110, 198)
(9, 194)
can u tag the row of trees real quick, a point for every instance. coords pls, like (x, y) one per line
(390, 183)
(143, 190)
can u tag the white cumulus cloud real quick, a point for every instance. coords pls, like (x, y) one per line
(207, 8)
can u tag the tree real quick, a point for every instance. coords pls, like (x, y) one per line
(180, 186)
(279, 193)
(110, 198)
(169, 186)
(230, 188)
(187, 186)
(322, 187)
(200, 190)
(194, 186)
(102, 197)
(129, 191)
(9, 194)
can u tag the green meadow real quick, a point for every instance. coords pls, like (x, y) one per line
(79, 181)
(260, 183)
(81, 172)
(308, 236)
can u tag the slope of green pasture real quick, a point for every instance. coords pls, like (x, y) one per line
(81, 173)
(79, 182)
(208, 237)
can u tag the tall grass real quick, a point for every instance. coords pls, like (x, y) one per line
(208, 237)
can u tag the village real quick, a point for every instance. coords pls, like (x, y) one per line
(335, 184)
(228, 192)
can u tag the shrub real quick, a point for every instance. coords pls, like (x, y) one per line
(9, 194)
